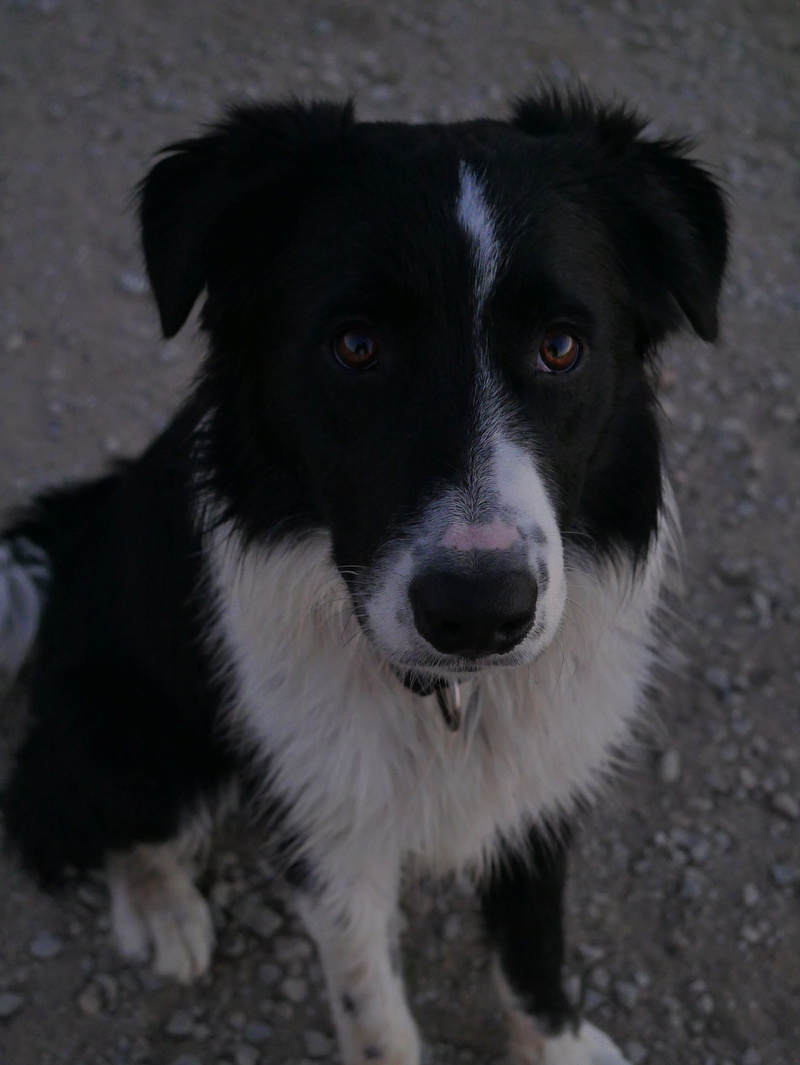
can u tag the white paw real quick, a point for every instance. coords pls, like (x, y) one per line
(589, 1047)
(157, 912)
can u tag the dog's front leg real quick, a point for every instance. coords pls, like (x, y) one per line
(523, 908)
(353, 924)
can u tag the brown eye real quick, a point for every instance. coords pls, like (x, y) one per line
(558, 352)
(356, 349)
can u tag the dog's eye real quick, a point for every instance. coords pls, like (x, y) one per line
(559, 351)
(356, 349)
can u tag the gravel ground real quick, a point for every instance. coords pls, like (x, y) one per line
(685, 906)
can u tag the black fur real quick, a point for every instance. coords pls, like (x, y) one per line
(523, 908)
(123, 700)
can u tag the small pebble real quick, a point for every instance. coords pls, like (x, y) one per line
(261, 920)
(734, 571)
(318, 1045)
(256, 1032)
(783, 875)
(747, 778)
(290, 949)
(90, 1000)
(670, 767)
(180, 1025)
(786, 805)
(751, 896)
(750, 934)
(295, 989)
(269, 973)
(10, 1003)
(718, 679)
(246, 1056)
(592, 1000)
(705, 1004)
(692, 885)
(45, 946)
(699, 852)
(626, 994)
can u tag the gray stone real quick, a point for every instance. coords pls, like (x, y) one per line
(269, 973)
(705, 1004)
(290, 948)
(670, 766)
(735, 571)
(718, 679)
(246, 1056)
(747, 778)
(90, 1000)
(750, 895)
(318, 1045)
(786, 805)
(180, 1024)
(636, 1053)
(783, 875)
(295, 989)
(692, 885)
(592, 1000)
(256, 1032)
(261, 920)
(45, 946)
(626, 994)
(10, 1003)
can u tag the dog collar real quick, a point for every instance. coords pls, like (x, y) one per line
(446, 690)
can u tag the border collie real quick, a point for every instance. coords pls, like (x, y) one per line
(392, 572)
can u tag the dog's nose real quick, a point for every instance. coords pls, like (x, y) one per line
(471, 613)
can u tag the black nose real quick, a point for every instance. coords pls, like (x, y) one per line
(474, 613)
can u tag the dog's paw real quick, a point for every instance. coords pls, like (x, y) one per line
(158, 913)
(589, 1046)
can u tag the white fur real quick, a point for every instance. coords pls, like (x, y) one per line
(157, 912)
(366, 766)
(528, 1045)
(476, 218)
(589, 1046)
(356, 941)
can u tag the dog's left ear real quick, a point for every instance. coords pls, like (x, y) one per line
(187, 194)
(666, 215)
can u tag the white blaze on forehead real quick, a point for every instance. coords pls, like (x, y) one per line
(476, 218)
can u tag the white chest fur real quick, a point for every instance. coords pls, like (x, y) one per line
(369, 770)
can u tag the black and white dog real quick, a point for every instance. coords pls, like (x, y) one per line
(392, 570)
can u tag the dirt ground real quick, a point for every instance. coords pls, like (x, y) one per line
(685, 905)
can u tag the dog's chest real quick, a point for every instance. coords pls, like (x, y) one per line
(368, 769)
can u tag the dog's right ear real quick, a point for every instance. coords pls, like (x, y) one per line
(188, 192)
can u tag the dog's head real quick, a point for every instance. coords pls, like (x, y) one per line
(432, 341)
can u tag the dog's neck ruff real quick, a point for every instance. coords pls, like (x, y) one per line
(447, 691)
